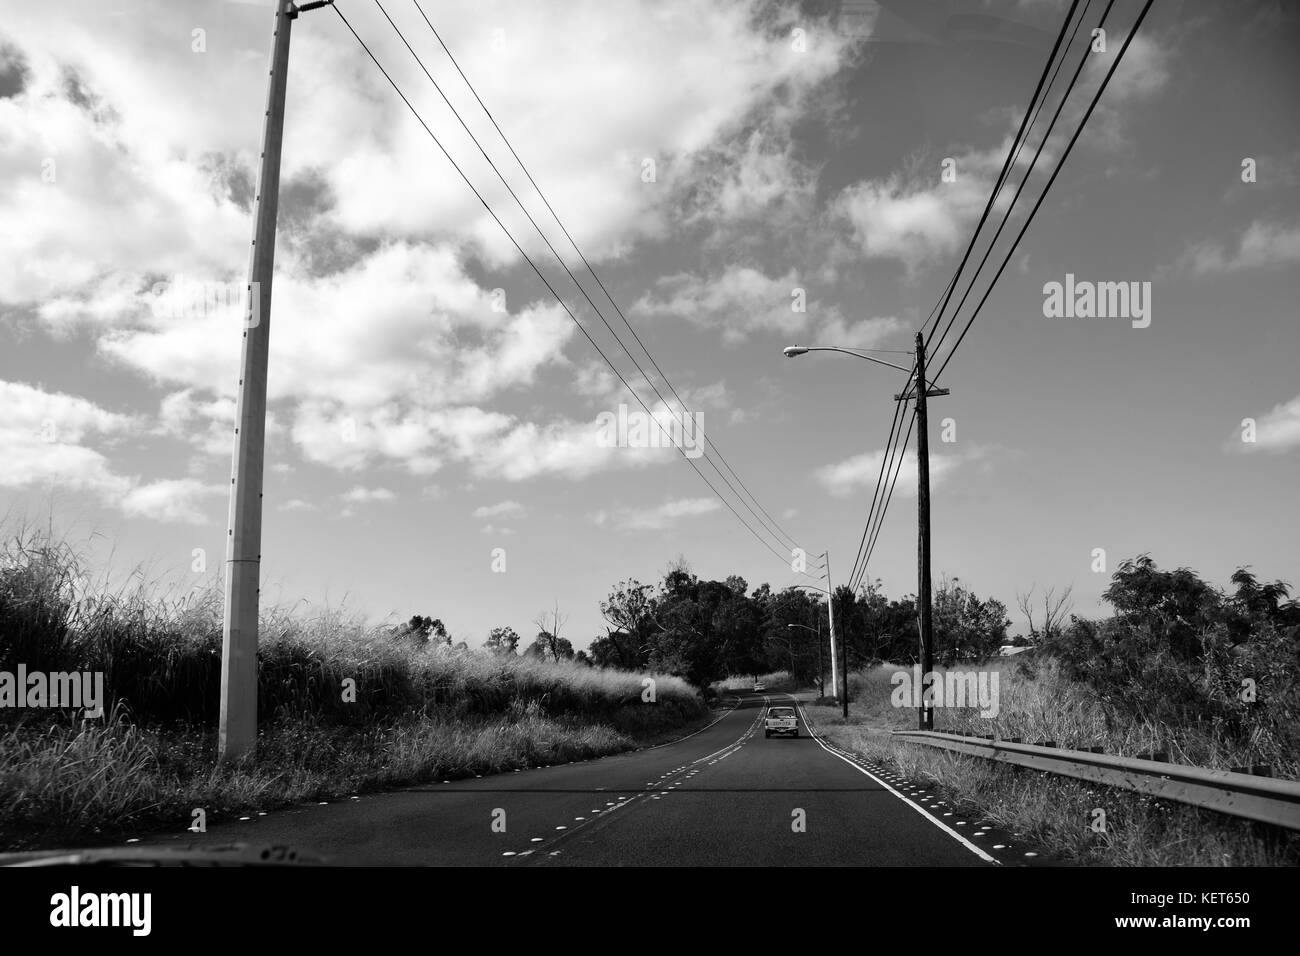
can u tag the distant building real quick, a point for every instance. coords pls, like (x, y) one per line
(1010, 650)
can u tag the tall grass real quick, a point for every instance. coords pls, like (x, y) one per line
(162, 657)
(1037, 703)
(419, 712)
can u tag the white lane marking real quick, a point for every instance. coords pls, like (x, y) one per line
(978, 851)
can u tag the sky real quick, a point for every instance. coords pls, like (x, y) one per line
(741, 176)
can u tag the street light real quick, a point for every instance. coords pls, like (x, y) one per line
(791, 351)
(916, 387)
(821, 674)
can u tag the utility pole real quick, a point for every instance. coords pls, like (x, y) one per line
(925, 715)
(844, 657)
(821, 670)
(923, 532)
(830, 613)
(238, 722)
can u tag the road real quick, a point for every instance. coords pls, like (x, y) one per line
(726, 795)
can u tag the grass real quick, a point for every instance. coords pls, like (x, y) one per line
(417, 713)
(1055, 812)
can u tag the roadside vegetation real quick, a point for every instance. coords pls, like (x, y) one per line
(1198, 674)
(344, 707)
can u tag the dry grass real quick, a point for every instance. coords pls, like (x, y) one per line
(420, 713)
(1056, 812)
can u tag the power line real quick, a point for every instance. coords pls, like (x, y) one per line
(889, 497)
(1032, 111)
(771, 523)
(1006, 216)
(546, 282)
(1055, 172)
(1012, 151)
(513, 195)
(893, 427)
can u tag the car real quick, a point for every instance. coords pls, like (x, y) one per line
(781, 720)
(759, 686)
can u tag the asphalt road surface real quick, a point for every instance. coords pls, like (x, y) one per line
(725, 796)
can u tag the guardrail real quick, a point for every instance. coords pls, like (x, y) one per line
(1239, 794)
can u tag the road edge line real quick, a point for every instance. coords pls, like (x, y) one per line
(915, 806)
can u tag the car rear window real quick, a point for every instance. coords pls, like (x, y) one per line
(781, 712)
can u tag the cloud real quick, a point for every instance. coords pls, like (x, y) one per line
(1261, 245)
(1278, 431)
(362, 495)
(179, 499)
(657, 518)
(46, 440)
(742, 300)
(208, 424)
(859, 473)
(914, 216)
(180, 167)
(504, 509)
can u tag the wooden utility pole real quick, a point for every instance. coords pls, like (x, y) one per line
(238, 722)
(921, 391)
(923, 531)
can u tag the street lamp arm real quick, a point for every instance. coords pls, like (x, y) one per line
(794, 350)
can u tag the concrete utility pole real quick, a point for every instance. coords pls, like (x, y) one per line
(830, 613)
(925, 715)
(238, 726)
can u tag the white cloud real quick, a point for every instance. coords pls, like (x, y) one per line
(1262, 244)
(504, 509)
(207, 424)
(46, 436)
(179, 165)
(179, 499)
(859, 473)
(1277, 431)
(657, 518)
(738, 301)
(362, 495)
(914, 217)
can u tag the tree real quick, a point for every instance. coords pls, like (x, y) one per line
(966, 628)
(502, 640)
(1177, 606)
(629, 611)
(546, 646)
(550, 623)
(420, 630)
(1056, 611)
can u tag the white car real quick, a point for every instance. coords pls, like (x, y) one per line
(781, 720)
(759, 686)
